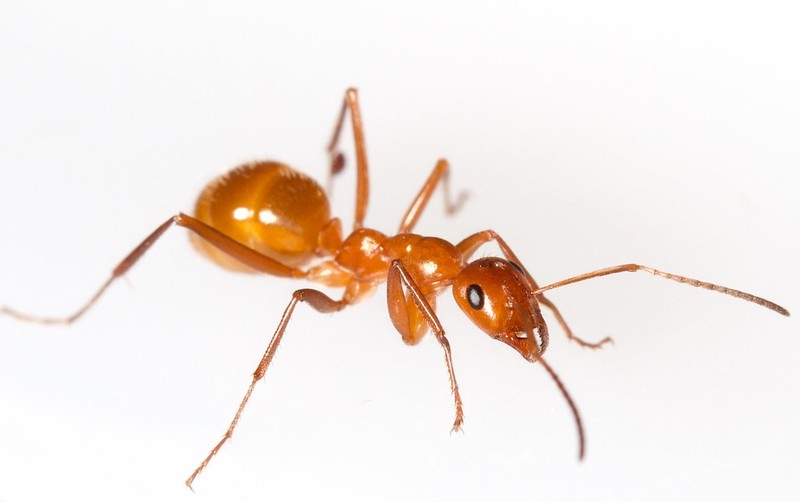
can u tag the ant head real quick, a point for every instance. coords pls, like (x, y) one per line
(497, 296)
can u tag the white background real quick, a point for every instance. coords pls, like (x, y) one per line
(588, 134)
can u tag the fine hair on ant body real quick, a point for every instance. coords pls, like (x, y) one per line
(265, 217)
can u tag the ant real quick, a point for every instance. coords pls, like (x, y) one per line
(265, 217)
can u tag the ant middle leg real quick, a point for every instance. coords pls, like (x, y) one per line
(240, 252)
(440, 173)
(468, 246)
(320, 302)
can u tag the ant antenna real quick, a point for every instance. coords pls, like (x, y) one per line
(570, 402)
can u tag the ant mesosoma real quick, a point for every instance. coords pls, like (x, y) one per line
(265, 217)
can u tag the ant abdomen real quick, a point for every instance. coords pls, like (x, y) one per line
(267, 206)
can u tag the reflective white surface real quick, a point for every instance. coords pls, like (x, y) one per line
(588, 136)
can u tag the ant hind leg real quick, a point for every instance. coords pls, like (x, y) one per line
(242, 253)
(337, 159)
(320, 302)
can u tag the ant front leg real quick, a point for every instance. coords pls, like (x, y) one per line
(468, 246)
(244, 254)
(337, 158)
(320, 302)
(404, 309)
(440, 173)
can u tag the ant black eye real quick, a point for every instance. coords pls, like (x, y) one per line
(475, 296)
(517, 266)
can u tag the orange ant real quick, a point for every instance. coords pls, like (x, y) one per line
(265, 217)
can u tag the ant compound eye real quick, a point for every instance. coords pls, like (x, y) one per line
(475, 296)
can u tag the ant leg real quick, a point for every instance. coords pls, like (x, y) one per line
(633, 267)
(337, 158)
(320, 302)
(399, 312)
(244, 254)
(567, 331)
(468, 246)
(441, 172)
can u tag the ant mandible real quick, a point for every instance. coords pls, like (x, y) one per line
(265, 217)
